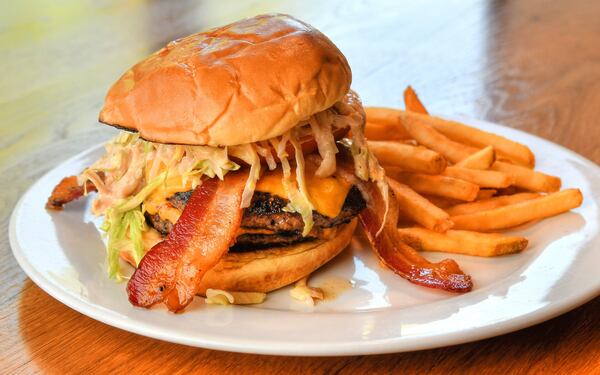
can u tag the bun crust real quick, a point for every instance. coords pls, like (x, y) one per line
(245, 82)
(267, 270)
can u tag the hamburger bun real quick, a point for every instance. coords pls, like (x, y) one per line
(231, 85)
(269, 269)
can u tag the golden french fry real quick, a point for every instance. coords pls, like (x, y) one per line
(458, 132)
(485, 179)
(528, 179)
(420, 209)
(444, 186)
(482, 159)
(462, 242)
(382, 115)
(520, 213)
(417, 126)
(387, 120)
(408, 157)
(442, 202)
(412, 101)
(386, 132)
(511, 190)
(485, 194)
(489, 204)
(455, 152)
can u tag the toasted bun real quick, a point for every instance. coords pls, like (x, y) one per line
(245, 82)
(270, 269)
(267, 270)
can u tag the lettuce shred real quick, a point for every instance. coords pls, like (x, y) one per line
(264, 150)
(123, 224)
(321, 128)
(248, 154)
(295, 190)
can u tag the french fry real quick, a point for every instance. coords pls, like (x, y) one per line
(442, 202)
(444, 186)
(408, 157)
(382, 115)
(528, 179)
(412, 102)
(467, 135)
(482, 159)
(519, 213)
(416, 125)
(485, 179)
(514, 151)
(485, 194)
(385, 132)
(386, 118)
(462, 242)
(420, 209)
(509, 190)
(489, 204)
(455, 152)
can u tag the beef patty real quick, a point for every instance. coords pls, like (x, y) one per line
(266, 213)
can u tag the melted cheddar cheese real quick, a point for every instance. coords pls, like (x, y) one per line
(327, 194)
(157, 203)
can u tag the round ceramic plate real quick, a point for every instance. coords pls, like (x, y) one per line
(379, 312)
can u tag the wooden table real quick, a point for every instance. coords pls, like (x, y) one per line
(532, 65)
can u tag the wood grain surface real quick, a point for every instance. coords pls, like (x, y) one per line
(532, 65)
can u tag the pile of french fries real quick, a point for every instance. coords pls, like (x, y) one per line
(456, 185)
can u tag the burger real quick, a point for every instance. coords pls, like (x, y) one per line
(241, 165)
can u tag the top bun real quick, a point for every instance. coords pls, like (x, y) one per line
(245, 82)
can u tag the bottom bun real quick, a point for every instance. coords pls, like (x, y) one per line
(269, 269)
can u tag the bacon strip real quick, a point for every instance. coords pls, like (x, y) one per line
(67, 190)
(171, 271)
(396, 255)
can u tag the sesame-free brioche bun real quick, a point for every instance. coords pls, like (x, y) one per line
(245, 82)
(269, 269)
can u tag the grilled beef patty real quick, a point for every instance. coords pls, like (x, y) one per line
(266, 213)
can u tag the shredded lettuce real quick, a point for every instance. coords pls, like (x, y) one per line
(321, 124)
(125, 138)
(248, 154)
(136, 222)
(299, 199)
(124, 223)
(264, 149)
(206, 161)
(130, 162)
(350, 112)
(300, 180)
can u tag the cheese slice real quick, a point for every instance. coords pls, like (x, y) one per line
(327, 194)
(157, 202)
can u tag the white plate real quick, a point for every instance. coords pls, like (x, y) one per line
(63, 253)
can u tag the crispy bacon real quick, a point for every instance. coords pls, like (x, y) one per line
(171, 271)
(396, 255)
(67, 190)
